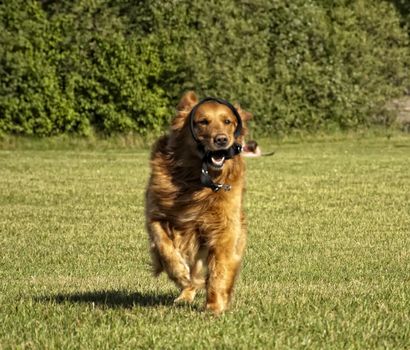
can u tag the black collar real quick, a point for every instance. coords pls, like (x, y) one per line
(229, 153)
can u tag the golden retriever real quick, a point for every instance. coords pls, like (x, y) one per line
(194, 197)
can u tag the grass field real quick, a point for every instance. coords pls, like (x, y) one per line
(327, 263)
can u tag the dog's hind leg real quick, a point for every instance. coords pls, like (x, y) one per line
(170, 258)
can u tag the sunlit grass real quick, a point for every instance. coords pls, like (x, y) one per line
(327, 263)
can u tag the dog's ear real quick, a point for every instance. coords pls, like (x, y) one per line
(245, 115)
(187, 102)
(184, 107)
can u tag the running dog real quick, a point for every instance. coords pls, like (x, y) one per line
(194, 198)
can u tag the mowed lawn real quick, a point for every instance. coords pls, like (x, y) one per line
(327, 263)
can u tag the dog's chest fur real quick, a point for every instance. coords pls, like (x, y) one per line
(177, 196)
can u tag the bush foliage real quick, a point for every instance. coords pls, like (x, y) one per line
(117, 66)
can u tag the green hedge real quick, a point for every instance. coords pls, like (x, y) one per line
(403, 6)
(75, 68)
(119, 66)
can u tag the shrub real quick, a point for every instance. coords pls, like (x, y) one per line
(334, 64)
(403, 7)
(76, 69)
(119, 66)
(31, 98)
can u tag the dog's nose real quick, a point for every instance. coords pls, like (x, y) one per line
(221, 140)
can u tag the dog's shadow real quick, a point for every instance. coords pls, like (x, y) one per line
(112, 299)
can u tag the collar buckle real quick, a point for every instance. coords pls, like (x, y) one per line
(207, 181)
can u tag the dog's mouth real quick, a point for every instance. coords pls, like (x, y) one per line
(216, 160)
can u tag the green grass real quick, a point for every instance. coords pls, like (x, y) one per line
(327, 263)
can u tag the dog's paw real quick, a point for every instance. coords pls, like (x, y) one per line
(187, 296)
(215, 308)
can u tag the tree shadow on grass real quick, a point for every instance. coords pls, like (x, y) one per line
(112, 299)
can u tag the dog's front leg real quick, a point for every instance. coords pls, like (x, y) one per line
(171, 259)
(223, 264)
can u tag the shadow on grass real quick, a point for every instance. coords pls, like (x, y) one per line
(112, 299)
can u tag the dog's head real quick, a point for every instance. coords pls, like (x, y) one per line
(216, 126)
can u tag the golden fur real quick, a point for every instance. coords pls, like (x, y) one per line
(197, 236)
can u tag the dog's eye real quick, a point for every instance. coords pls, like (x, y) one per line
(227, 121)
(203, 122)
